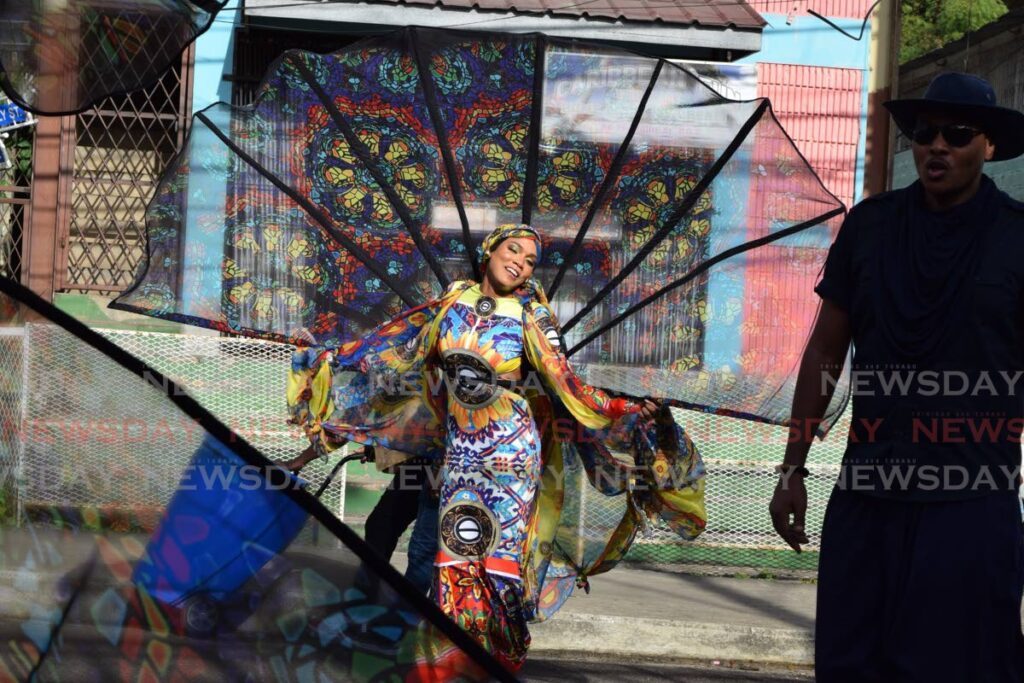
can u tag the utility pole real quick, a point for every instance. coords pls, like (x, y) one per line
(883, 73)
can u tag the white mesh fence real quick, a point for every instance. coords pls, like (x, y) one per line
(70, 448)
(741, 458)
(65, 446)
(11, 343)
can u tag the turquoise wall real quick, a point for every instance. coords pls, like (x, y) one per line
(810, 41)
(214, 56)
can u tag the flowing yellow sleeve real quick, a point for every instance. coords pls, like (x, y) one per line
(349, 392)
(309, 396)
(593, 407)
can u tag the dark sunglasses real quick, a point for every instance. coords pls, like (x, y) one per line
(955, 134)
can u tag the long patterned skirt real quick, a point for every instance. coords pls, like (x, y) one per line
(488, 483)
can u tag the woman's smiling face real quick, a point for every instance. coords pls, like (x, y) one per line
(511, 264)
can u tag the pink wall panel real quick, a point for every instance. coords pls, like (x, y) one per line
(820, 108)
(834, 9)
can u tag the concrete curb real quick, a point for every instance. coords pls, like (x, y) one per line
(666, 640)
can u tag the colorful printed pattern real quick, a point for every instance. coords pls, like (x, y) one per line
(341, 198)
(97, 599)
(492, 460)
(485, 97)
(301, 618)
(495, 466)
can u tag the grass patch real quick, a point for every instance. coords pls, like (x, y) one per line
(765, 560)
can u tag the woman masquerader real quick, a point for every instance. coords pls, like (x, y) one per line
(478, 378)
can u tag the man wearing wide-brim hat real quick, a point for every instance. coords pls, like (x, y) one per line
(921, 571)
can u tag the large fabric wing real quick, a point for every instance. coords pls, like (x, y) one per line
(232, 572)
(64, 57)
(309, 211)
(683, 232)
(717, 232)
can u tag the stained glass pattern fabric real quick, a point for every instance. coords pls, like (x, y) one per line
(362, 182)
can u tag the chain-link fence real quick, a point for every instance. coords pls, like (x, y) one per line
(11, 405)
(243, 383)
(74, 446)
(740, 458)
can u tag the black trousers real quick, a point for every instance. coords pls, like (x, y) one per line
(395, 510)
(920, 591)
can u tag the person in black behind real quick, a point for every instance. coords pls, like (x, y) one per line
(921, 570)
(409, 499)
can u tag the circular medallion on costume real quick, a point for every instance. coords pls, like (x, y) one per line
(468, 531)
(485, 305)
(471, 378)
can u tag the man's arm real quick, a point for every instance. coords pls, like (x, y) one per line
(825, 355)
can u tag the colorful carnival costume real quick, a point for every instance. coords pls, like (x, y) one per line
(429, 383)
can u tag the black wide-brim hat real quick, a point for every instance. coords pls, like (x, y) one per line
(973, 97)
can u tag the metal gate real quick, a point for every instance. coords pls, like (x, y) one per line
(121, 148)
(15, 197)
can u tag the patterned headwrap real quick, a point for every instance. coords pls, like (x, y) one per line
(503, 232)
(532, 287)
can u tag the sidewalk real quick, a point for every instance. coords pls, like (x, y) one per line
(672, 617)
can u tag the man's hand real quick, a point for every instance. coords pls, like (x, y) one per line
(301, 460)
(789, 509)
(823, 359)
(649, 409)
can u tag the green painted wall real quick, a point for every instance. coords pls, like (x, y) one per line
(1008, 175)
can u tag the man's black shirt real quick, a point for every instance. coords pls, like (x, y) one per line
(935, 306)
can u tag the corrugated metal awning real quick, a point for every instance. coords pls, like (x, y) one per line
(721, 30)
(709, 13)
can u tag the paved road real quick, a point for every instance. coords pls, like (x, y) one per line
(564, 671)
